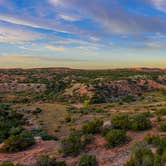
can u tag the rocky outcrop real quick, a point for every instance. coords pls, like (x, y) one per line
(8, 87)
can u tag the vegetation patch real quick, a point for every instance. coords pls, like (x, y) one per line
(140, 122)
(120, 121)
(92, 127)
(162, 126)
(48, 161)
(18, 142)
(141, 156)
(88, 160)
(161, 111)
(10, 122)
(115, 138)
(9, 164)
(72, 145)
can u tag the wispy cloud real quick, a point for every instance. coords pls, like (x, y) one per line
(159, 4)
(85, 28)
(55, 48)
(10, 34)
(118, 19)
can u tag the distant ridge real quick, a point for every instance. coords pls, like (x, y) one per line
(70, 69)
(38, 69)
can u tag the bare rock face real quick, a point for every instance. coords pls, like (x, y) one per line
(162, 79)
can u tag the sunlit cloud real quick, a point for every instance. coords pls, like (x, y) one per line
(74, 31)
(55, 48)
(10, 34)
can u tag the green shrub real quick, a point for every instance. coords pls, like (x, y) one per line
(42, 133)
(141, 156)
(152, 140)
(47, 161)
(115, 137)
(157, 160)
(37, 111)
(88, 160)
(162, 145)
(128, 99)
(163, 158)
(92, 127)
(162, 126)
(9, 164)
(161, 111)
(10, 123)
(72, 145)
(140, 122)
(5, 106)
(17, 143)
(86, 139)
(120, 121)
(15, 130)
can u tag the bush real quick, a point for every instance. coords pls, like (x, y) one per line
(162, 145)
(42, 133)
(37, 111)
(72, 146)
(10, 122)
(5, 106)
(141, 156)
(92, 127)
(19, 142)
(9, 164)
(87, 139)
(161, 111)
(128, 99)
(140, 122)
(163, 158)
(47, 161)
(157, 160)
(15, 130)
(120, 121)
(88, 160)
(162, 126)
(115, 137)
(152, 140)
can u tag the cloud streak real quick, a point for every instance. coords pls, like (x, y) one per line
(85, 28)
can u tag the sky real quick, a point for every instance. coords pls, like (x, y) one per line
(88, 34)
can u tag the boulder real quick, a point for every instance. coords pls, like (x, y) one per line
(107, 125)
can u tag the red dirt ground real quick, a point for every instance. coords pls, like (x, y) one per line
(106, 157)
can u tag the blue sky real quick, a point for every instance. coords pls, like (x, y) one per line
(82, 33)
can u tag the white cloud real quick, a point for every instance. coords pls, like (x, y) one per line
(42, 23)
(14, 34)
(18, 21)
(111, 17)
(154, 45)
(159, 4)
(69, 17)
(94, 38)
(55, 48)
